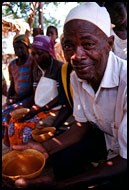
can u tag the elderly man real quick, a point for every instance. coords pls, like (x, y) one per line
(100, 90)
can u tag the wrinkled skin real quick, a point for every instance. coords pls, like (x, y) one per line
(87, 53)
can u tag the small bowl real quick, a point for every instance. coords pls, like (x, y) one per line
(41, 135)
(27, 164)
(18, 113)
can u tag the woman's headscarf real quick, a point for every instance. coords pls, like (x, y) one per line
(44, 43)
(22, 38)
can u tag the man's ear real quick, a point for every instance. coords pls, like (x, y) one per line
(110, 41)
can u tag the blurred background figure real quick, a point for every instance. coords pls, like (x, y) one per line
(118, 15)
(37, 31)
(53, 33)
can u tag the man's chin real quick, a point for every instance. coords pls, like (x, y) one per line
(82, 77)
(85, 77)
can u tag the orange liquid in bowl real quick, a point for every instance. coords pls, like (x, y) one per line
(23, 165)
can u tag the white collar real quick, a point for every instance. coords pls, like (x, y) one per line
(111, 74)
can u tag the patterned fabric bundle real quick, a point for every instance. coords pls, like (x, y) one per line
(20, 132)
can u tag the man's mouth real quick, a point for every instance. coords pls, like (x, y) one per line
(82, 68)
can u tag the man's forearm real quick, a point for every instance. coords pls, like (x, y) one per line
(106, 170)
(76, 132)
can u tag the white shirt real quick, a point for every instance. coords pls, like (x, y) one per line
(120, 46)
(108, 107)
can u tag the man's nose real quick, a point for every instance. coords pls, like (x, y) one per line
(79, 54)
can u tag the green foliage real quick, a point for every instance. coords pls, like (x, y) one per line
(51, 21)
(55, 3)
(47, 21)
(80, 2)
(22, 10)
(17, 9)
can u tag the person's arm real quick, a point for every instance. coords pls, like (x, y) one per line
(76, 132)
(33, 112)
(64, 113)
(105, 171)
(49, 106)
(11, 90)
(4, 87)
(13, 97)
(96, 176)
(23, 96)
(10, 93)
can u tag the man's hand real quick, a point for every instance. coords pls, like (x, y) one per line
(43, 181)
(32, 145)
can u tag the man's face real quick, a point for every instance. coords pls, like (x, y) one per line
(41, 57)
(87, 47)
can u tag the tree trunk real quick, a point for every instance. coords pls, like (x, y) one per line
(41, 21)
(31, 15)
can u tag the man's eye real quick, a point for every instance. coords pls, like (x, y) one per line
(68, 46)
(88, 45)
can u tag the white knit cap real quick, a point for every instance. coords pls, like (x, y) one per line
(91, 12)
